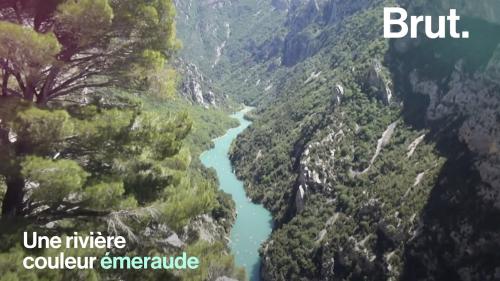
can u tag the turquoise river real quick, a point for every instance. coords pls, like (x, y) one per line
(253, 223)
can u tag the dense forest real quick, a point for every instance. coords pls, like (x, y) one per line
(94, 137)
(378, 159)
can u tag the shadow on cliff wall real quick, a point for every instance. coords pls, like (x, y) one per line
(459, 235)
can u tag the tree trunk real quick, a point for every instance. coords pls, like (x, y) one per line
(5, 83)
(29, 91)
(47, 86)
(13, 201)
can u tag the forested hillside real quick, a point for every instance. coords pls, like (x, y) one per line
(378, 158)
(95, 137)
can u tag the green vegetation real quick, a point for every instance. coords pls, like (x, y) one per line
(99, 166)
(243, 27)
(208, 123)
(74, 45)
(363, 183)
(79, 152)
(317, 130)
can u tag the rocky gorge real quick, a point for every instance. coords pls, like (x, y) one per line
(378, 158)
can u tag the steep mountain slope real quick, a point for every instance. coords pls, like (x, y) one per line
(378, 159)
(221, 38)
(200, 37)
(458, 239)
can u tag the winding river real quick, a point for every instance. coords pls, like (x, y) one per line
(253, 223)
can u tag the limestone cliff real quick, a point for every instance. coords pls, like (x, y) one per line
(379, 159)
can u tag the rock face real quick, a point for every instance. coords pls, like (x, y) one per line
(205, 34)
(303, 20)
(205, 228)
(379, 160)
(462, 110)
(300, 198)
(175, 241)
(416, 189)
(163, 236)
(379, 83)
(474, 98)
(383, 141)
(224, 278)
(195, 87)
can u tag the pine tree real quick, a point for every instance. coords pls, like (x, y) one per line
(52, 48)
(56, 48)
(76, 151)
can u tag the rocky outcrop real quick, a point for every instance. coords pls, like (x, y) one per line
(339, 94)
(205, 228)
(195, 87)
(224, 278)
(413, 146)
(378, 82)
(381, 143)
(205, 34)
(175, 241)
(299, 199)
(314, 76)
(304, 18)
(475, 99)
(418, 193)
(461, 111)
(317, 171)
(300, 42)
(163, 236)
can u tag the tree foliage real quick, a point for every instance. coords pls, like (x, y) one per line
(80, 158)
(106, 165)
(50, 49)
(97, 159)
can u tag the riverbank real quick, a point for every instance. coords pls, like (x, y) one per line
(253, 224)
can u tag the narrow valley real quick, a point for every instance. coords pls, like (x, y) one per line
(377, 158)
(253, 222)
(250, 140)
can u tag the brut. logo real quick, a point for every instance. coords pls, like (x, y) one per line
(396, 17)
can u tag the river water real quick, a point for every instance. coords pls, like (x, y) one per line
(254, 223)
